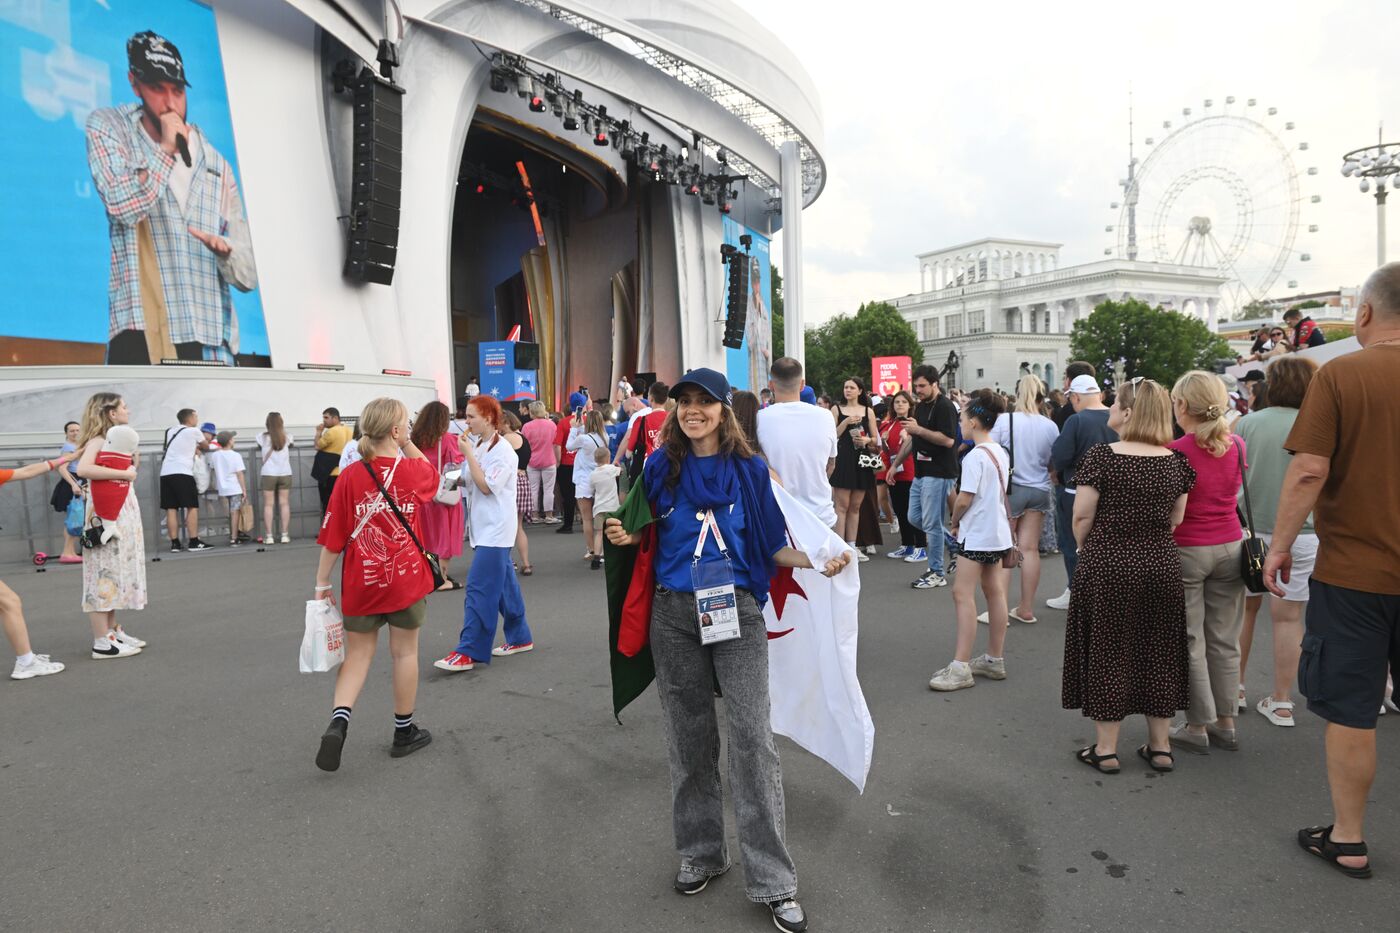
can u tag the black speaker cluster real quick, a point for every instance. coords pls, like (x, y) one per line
(376, 179)
(737, 300)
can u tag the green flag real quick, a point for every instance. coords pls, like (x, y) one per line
(630, 676)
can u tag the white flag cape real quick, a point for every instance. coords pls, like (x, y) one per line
(816, 698)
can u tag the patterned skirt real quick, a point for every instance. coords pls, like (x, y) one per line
(522, 494)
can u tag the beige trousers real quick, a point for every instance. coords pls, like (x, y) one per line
(1214, 616)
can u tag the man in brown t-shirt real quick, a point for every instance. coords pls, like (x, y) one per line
(1346, 469)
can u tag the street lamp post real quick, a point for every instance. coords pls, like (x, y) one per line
(1380, 163)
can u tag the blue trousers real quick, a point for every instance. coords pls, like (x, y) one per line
(492, 591)
(928, 509)
(1064, 528)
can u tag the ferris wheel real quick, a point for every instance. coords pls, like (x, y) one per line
(1221, 191)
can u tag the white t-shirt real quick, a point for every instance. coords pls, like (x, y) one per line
(493, 515)
(226, 465)
(797, 440)
(583, 444)
(182, 176)
(349, 455)
(181, 443)
(1034, 436)
(274, 462)
(985, 526)
(603, 482)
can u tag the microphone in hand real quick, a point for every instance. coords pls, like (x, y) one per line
(183, 147)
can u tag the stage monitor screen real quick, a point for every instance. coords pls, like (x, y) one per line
(527, 356)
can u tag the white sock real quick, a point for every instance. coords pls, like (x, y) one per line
(959, 665)
(24, 660)
(988, 657)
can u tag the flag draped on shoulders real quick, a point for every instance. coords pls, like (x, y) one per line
(812, 623)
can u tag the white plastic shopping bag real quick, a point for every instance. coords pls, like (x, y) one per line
(323, 644)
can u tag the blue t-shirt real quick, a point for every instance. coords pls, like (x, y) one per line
(68, 448)
(615, 434)
(678, 531)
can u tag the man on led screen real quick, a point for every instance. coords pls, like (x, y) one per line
(179, 235)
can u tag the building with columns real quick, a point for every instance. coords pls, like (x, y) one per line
(1006, 307)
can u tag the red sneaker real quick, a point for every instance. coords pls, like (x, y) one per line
(506, 650)
(454, 662)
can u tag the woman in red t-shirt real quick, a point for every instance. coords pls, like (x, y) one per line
(384, 576)
(27, 663)
(912, 540)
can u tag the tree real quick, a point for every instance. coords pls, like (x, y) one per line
(1152, 342)
(779, 338)
(844, 346)
(1255, 311)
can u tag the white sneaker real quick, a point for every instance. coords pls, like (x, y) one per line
(286, 538)
(953, 677)
(113, 648)
(984, 666)
(917, 555)
(861, 556)
(899, 553)
(38, 667)
(1060, 602)
(985, 618)
(127, 638)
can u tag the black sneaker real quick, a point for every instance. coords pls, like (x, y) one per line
(198, 545)
(175, 547)
(332, 741)
(595, 564)
(564, 530)
(406, 743)
(788, 916)
(690, 882)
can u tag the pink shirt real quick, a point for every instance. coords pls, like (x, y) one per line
(540, 433)
(1210, 506)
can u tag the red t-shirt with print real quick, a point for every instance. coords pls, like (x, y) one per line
(380, 570)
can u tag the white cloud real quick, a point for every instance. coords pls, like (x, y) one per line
(946, 123)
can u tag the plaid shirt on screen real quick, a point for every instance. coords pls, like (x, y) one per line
(132, 176)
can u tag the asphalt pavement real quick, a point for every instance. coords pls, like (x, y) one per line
(176, 790)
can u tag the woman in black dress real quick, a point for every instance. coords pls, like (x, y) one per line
(1125, 638)
(857, 432)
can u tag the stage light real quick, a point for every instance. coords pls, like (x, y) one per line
(571, 111)
(397, 372)
(722, 156)
(536, 99)
(600, 135)
(524, 86)
(323, 367)
(500, 80)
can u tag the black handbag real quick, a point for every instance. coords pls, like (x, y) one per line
(1253, 550)
(433, 564)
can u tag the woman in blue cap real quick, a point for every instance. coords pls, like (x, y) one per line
(720, 538)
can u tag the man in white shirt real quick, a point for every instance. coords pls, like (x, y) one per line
(799, 441)
(177, 487)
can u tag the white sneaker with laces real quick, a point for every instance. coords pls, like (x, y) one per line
(127, 638)
(110, 647)
(861, 556)
(898, 553)
(286, 538)
(984, 666)
(917, 555)
(1060, 602)
(40, 666)
(953, 677)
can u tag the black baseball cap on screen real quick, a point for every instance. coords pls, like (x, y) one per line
(154, 59)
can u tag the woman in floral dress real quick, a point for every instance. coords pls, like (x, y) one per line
(114, 574)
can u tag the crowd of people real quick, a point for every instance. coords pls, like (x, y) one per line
(1177, 514)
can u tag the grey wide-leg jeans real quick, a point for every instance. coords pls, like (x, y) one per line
(686, 673)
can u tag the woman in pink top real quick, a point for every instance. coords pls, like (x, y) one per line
(443, 526)
(1209, 542)
(539, 431)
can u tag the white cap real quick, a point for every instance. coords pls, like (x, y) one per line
(1084, 385)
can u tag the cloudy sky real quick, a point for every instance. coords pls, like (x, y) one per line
(950, 122)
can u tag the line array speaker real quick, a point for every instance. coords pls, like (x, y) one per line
(376, 180)
(737, 300)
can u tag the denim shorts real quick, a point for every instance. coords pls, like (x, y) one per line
(1350, 640)
(1023, 499)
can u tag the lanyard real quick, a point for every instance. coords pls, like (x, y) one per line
(708, 524)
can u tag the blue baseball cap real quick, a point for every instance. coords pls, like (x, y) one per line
(577, 400)
(715, 384)
(208, 428)
(808, 395)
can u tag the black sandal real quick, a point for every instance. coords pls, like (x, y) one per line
(1317, 840)
(1086, 755)
(1146, 753)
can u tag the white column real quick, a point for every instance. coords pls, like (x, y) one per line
(1211, 305)
(791, 190)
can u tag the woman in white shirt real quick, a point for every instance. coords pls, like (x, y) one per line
(1030, 495)
(489, 478)
(586, 436)
(275, 472)
(983, 531)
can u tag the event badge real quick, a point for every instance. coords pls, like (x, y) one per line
(716, 604)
